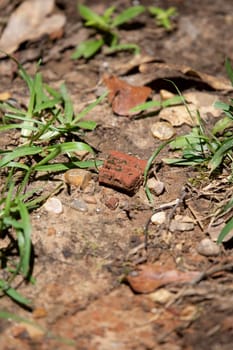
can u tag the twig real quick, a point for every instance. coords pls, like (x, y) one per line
(211, 271)
(174, 204)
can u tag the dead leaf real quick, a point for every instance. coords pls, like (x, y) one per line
(150, 72)
(30, 21)
(123, 68)
(178, 115)
(148, 278)
(215, 229)
(123, 96)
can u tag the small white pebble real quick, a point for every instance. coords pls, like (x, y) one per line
(53, 205)
(162, 130)
(161, 296)
(79, 204)
(208, 248)
(176, 225)
(158, 218)
(157, 187)
(165, 94)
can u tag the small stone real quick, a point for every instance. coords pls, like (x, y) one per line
(162, 130)
(181, 223)
(112, 202)
(90, 200)
(161, 296)
(165, 94)
(158, 218)
(208, 248)
(79, 205)
(53, 205)
(77, 177)
(155, 186)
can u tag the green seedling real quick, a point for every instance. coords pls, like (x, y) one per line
(159, 104)
(46, 126)
(106, 30)
(163, 17)
(204, 148)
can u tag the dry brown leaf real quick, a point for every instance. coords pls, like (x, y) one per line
(197, 101)
(148, 278)
(150, 72)
(30, 21)
(123, 96)
(123, 68)
(178, 115)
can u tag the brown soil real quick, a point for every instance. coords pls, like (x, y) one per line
(80, 297)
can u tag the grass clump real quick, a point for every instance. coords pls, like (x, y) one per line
(48, 128)
(204, 148)
(106, 26)
(163, 18)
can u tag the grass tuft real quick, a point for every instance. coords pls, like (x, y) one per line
(46, 126)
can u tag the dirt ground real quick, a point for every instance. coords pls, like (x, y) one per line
(81, 298)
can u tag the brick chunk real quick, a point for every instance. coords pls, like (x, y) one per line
(122, 171)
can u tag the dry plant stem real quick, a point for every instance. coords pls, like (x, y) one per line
(174, 205)
(211, 271)
(195, 215)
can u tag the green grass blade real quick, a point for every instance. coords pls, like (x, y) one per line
(123, 47)
(218, 156)
(25, 235)
(49, 104)
(18, 165)
(87, 124)
(13, 126)
(68, 106)
(54, 152)
(70, 165)
(18, 153)
(148, 166)
(71, 147)
(52, 92)
(39, 92)
(89, 108)
(12, 293)
(92, 18)
(87, 48)
(145, 106)
(108, 13)
(7, 106)
(226, 229)
(172, 101)
(152, 158)
(229, 70)
(127, 15)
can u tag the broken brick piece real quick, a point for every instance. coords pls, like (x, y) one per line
(122, 171)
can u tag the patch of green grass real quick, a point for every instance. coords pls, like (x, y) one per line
(206, 148)
(163, 17)
(46, 126)
(106, 26)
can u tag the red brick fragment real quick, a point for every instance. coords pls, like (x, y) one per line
(122, 171)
